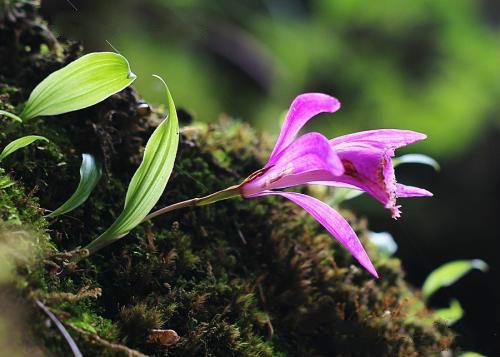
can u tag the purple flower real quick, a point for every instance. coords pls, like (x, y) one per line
(360, 161)
(367, 159)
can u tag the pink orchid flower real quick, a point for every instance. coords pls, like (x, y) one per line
(360, 161)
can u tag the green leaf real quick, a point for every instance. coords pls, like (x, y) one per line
(471, 354)
(5, 182)
(19, 144)
(90, 173)
(451, 314)
(416, 159)
(84, 322)
(11, 116)
(150, 179)
(449, 273)
(82, 83)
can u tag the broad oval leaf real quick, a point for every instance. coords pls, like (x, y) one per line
(90, 173)
(451, 314)
(449, 273)
(150, 179)
(82, 83)
(416, 159)
(11, 116)
(19, 144)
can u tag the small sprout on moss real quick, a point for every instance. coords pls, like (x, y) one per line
(451, 314)
(19, 144)
(84, 322)
(446, 275)
(90, 173)
(6, 182)
(81, 84)
(449, 273)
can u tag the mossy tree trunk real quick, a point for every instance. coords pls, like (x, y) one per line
(240, 277)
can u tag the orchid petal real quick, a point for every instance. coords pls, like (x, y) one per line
(370, 169)
(382, 138)
(309, 178)
(295, 165)
(303, 108)
(410, 191)
(334, 223)
(331, 182)
(367, 159)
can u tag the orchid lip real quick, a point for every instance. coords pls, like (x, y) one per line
(361, 161)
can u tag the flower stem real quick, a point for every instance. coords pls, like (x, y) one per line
(98, 244)
(175, 206)
(229, 192)
(101, 241)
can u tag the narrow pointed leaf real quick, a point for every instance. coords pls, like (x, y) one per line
(451, 314)
(82, 83)
(471, 354)
(90, 173)
(447, 274)
(150, 179)
(416, 159)
(11, 116)
(19, 144)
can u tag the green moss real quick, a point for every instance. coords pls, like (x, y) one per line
(240, 277)
(138, 320)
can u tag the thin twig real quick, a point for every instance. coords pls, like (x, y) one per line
(62, 329)
(112, 346)
(83, 293)
(240, 233)
(72, 5)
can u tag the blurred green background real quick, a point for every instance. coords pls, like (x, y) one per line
(428, 65)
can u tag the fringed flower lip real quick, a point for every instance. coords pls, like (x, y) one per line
(360, 161)
(367, 159)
